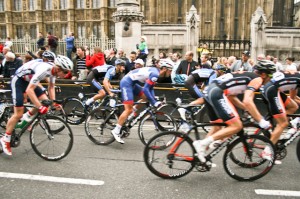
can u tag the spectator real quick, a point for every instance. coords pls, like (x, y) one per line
(27, 58)
(143, 47)
(97, 59)
(187, 65)
(80, 70)
(8, 43)
(230, 62)
(203, 48)
(269, 57)
(224, 61)
(37, 55)
(1, 65)
(130, 63)
(70, 44)
(5, 50)
(41, 40)
(52, 42)
(11, 64)
(165, 71)
(110, 60)
(260, 57)
(243, 64)
(139, 63)
(170, 55)
(162, 55)
(278, 65)
(204, 61)
(122, 55)
(1, 47)
(291, 66)
(176, 60)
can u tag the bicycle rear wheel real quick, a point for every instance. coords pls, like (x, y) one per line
(98, 126)
(149, 126)
(170, 155)
(242, 160)
(51, 138)
(74, 110)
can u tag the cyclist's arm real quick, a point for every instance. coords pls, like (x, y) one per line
(51, 90)
(250, 106)
(149, 92)
(107, 86)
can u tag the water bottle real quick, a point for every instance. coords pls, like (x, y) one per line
(25, 119)
(112, 102)
(178, 101)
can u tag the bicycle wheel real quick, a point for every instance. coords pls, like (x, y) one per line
(298, 150)
(74, 110)
(149, 126)
(171, 109)
(49, 140)
(99, 124)
(170, 155)
(250, 166)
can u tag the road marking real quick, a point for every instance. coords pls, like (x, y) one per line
(50, 178)
(277, 192)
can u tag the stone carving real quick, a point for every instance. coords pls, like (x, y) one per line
(96, 14)
(79, 14)
(32, 16)
(63, 15)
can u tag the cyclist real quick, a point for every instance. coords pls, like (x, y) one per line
(27, 79)
(130, 87)
(108, 72)
(220, 108)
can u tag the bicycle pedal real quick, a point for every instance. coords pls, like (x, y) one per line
(204, 166)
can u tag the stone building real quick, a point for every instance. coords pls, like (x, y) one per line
(218, 18)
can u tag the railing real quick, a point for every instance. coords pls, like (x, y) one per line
(226, 48)
(19, 44)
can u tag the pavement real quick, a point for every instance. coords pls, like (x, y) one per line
(118, 171)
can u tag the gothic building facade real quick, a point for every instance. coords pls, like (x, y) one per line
(93, 18)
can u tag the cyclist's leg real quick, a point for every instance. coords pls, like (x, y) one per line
(91, 79)
(18, 87)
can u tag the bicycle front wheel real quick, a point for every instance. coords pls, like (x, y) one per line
(150, 126)
(170, 155)
(51, 138)
(243, 158)
(74, 110)
(98, 126)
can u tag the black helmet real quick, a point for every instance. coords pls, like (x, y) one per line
(120, 62)
(265, 66)
(49, 55)
(220, 67)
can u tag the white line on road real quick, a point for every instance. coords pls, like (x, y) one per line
(277, 192)
(51, 179)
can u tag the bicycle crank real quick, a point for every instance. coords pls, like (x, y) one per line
(203, 167)
(15, 140)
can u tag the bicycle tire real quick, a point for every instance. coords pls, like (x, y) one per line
(257, 167)
(170, 167)
(298, 150)
(74, 110)
(148, 127)
(171, 109)
(98, 126)
(49, 143)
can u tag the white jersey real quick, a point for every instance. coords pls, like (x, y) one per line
(35, 71)
(142, 74)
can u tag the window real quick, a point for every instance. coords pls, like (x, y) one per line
(64, 28)
(32, 31)
(18, 5)
(81, 30)
(49, 28)
(48, 4)
(1, 5)
(112, 3)
(63, 4)
(96, 4)
(97, 30)
(31, 4)
(3, 32)
(80, 4)
(20, 32)
(112, 29)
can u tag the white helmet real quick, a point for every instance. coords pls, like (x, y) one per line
(49, 55)
(166, 63)
(64, 62)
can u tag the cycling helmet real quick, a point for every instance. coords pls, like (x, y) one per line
(265, 66)
(166, 63)
(120, 62)
(49, 55)
(64, 62)
(220, 67)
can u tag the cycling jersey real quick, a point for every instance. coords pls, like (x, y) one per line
(203, 75)
(130, 87)
(30, 73)
(36, 70)
(106, 71)
(286, 81)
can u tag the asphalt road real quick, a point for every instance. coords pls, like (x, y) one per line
(125, 175)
